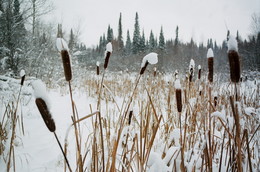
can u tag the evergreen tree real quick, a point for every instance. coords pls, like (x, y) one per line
(110, 35)
(120, 34)
(176, 41)
(128, 44)
(136, 36)
(71, 41)
(142, 43)
(152, 44)
(161, 40)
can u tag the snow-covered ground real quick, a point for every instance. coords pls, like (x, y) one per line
(36, 149)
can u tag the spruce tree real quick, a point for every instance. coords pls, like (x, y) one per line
(142, 43)
(110, 35)
(152, 43)
(161, 40)
(136, 36)
(120, 34)
(128, 44)
(176, 41)
(71, 41)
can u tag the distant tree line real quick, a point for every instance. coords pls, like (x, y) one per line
(173, 54)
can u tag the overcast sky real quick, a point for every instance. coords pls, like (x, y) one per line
(200, 19)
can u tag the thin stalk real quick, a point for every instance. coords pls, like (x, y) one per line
(62, 151)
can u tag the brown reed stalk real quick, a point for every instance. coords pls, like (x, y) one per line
(234, 64)
(210, 68)
(248, 150)
(237, 137)
(66, 64)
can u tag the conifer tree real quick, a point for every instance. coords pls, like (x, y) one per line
(152, 44)
(120, 34)
(128, 44)
(142, 43)
(161, 40)
(110, 35)
(136, 36)
(71, 41)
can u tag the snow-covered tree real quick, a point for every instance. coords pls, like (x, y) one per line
(161, 40)
(120, 34)
(136, 36)
(71, 41)
(110, 35)
(142, 43)
(152, 43)
(128, 44)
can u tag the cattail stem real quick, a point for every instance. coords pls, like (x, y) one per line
(62, 151)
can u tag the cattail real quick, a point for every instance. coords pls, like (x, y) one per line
(46, 116)
(154, 71)
(42, 104)
(22, 75)
(130, 117)
(97, 64)
(233, 58)
(199, 73)
(178, 95)
(215, 101)
(66, 64)
(210, 56)
(108, 53)
(191, 69)
(151, 58)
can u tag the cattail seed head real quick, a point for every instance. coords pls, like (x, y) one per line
(144, 67)
(22, 75)
(199, 73)
(45, 113)
(210, 68)
(215, 101)
(130, 117)
(154, 71)
(179, 100)
(66, 64)
(107, 59)
(234, 64)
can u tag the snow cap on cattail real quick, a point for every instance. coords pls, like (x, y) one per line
(151, 58)
(61, 44)
(233, 58)
(43, 104)
(22, 75)
(154, 71)
(191, 69)
(177, 85)
(210, 56)
(107, 54)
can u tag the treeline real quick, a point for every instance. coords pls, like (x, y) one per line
(173, 54)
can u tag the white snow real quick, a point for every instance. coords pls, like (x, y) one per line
(61, 44)
(177, 84)
(22, 73)
(152, 58)
(192, 64)
(40, 91)
(199, 67)
(210, 53)
(232, 43)
(109, 47)
(97, 63)
(219, 115)
(250, 110)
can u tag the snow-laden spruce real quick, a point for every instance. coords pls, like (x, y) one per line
(109, 47)
(210, 53)
(232, 43)
(22, 73)
(40, 91)
(61, 44)
(151, 58)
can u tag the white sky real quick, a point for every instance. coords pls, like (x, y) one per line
(200, 19)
